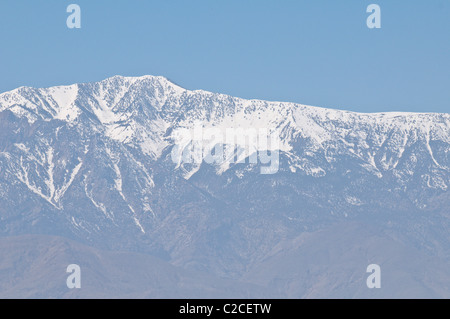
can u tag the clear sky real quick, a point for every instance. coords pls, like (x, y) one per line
(313, 52)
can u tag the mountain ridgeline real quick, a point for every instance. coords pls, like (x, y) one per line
(93, 165)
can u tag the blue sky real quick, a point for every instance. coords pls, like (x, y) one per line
(311, 52)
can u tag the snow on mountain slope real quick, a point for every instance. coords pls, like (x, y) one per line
(94, 162)
(151, 114)
(142, 110)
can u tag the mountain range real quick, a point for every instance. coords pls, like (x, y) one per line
(88, 173)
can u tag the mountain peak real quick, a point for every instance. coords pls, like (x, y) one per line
(118, 77)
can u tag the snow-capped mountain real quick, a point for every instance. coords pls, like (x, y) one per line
(95, 162)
